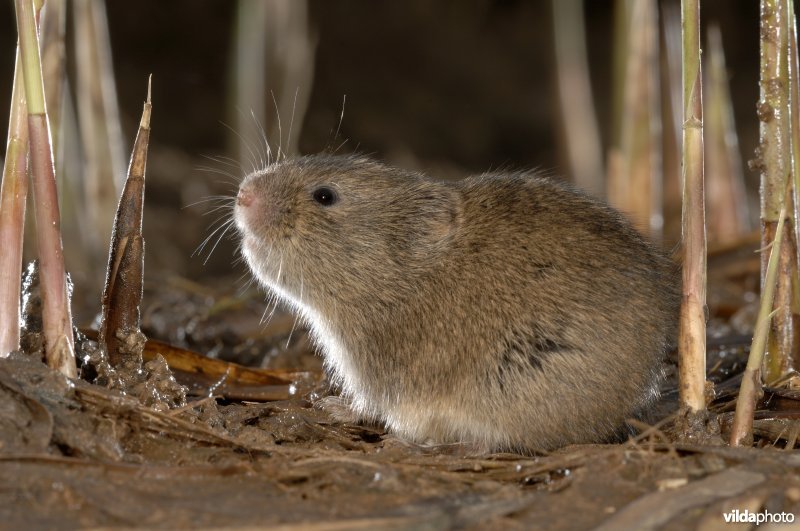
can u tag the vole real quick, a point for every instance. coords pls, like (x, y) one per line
(508, 311)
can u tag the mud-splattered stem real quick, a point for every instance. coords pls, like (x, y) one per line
(794, 108)
(774, 115)
(13, 196)
(56, 315)
(742, 430)
(692, 340)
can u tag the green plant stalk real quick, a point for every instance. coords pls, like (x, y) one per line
(13, 198)
(742, 429)
(56, 314)
(774, 113)
(692, 339)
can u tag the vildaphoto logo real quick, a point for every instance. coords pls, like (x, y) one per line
(763, 517)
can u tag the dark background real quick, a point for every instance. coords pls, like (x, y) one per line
(451, 87)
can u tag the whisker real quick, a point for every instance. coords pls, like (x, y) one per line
(247, 145)
(218, 208)
(244, 281)
(222, 235)
(211, 198)
(274, 299)
(263, 134)
(255, 147)
(340, 146)
(280, 130)
(341, 117)
(291, 121)
(228, 161)
(226, 221)
(219, 171)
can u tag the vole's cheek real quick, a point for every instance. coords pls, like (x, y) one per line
(255, 254)
(249, 250)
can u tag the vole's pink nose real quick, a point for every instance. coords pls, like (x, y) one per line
(245, 197)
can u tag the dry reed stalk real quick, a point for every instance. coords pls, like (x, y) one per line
(579, 121)
(692, 340)
(98, 114)
(671, 118)
(56, 312)
(622, 20)
(248, 74)
(728, 216)
(634, 176)
(274, 54)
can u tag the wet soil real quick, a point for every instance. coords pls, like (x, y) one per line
(74, 454)
(78, 455)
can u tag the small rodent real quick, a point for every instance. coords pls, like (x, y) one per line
(508, 311)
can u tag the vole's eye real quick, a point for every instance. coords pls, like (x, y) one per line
(325, 196)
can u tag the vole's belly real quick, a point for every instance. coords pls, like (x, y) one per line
(435, 422)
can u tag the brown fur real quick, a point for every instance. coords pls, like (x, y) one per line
(504, 310)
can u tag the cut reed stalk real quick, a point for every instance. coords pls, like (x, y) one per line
(692, 340)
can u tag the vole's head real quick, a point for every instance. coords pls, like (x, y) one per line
(343, 228)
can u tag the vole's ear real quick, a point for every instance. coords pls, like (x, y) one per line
(440, 215)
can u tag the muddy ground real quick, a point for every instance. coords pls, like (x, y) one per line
(73, 454)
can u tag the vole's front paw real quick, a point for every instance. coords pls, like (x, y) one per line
(339, 408)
